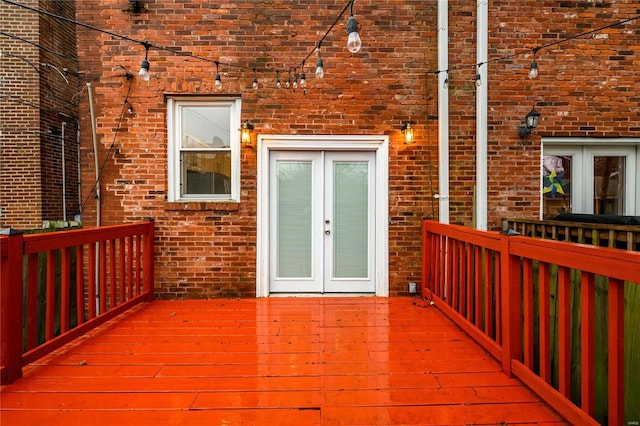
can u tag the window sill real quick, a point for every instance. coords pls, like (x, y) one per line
(226, 206)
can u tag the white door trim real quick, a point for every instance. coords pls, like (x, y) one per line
(378, 144)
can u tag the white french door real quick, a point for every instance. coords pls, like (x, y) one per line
(593, 178)
(322, 222)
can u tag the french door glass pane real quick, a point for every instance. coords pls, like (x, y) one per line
(608, 185)
(294, 219)
(350, 215)
(556, 185)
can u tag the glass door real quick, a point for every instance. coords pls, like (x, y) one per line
(349, 222)
(590, 179)
(321, 234)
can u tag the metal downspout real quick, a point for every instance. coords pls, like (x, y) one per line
(481, 116)
(443, 111)
(97, 187)
(64, 173)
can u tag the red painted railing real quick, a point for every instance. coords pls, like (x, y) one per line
(102, 271)
(485, 282)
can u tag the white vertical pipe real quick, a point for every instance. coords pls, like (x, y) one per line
(482, 91)
(97, 188)
(443, 111)
(64, 173)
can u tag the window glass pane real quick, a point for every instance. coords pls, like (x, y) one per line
(294, 219)
(206, 173)
(351, 219)
(206, 127)
(556, 185)
(608, 185)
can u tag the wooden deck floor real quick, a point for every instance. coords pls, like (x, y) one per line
(298, 361)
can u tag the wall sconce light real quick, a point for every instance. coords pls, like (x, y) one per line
(135, 6)
(408, 133)
(245, 132)
(531, 122)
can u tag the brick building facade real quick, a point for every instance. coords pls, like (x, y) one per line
(39, 116)
(586, 92)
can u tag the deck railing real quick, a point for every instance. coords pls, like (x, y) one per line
(498, 288)
(84, 277)
(597, 234)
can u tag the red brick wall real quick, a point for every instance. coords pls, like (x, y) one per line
(35, 100)
(212, 252)
(20, 197)
(59, 104)
(587, 87)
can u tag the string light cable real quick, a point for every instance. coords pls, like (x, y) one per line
(41, 47)
(351, 30)
(535, 50)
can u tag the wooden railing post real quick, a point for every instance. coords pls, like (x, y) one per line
(616, 351)
(148, 259)
(511, 304)
(427, 258)
(11, 308)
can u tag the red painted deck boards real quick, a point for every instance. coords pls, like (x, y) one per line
(298, 361)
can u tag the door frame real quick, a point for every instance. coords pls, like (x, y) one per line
(377, 144)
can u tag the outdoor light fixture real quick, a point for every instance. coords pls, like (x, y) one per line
(353, 40)
(533, 71)
(144, 70)
(255, 80)
(295, 78)
(245, 132)
(288, 83)
(218, 80)
(135, 6)
(319, 63)
(319, 67)
(531, 122)
(303, 77)
(408, 133)
(278, 84)
(144, 65)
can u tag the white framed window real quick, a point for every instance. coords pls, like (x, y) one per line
(203, 149)
(589, 175)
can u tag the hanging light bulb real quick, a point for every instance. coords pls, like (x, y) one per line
(295, 78)
(319, 65)
(144, 70)
(303, 77)
(218, 83)
(144, 65)
(278, 84)
(446, 81)
(288, 83)
(478, 80)
(353, 40)
(255, 80)
(533, 71)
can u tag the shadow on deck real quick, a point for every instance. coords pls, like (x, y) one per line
(273, 361)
